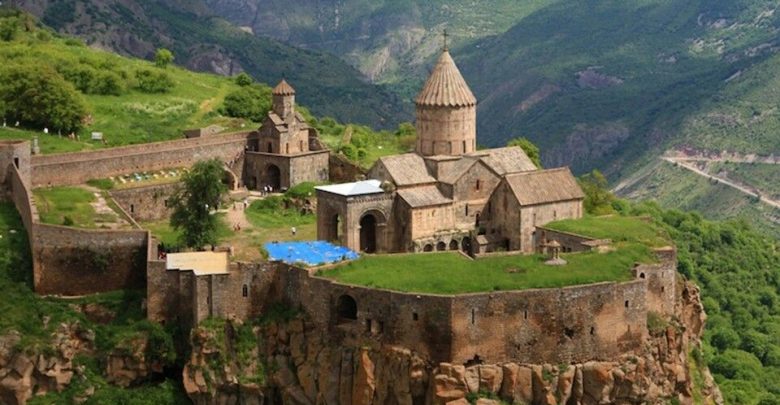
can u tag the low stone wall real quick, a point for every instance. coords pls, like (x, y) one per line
(69, 261)
(147, 203)
(77, 168)
(570, 242)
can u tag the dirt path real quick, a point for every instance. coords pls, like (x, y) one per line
(687, 164)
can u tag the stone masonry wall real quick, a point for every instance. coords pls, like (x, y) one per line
(70, 261)
(76, 168)
(599, 321)
(591, 322)
(146, 203)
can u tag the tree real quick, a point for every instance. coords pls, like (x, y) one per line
(529, 148)
(39, 96)
(202, 189)
(163, 58)
(250, 102)
(598, 198)
(243, 79)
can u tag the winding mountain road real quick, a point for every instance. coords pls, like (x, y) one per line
(688, 163)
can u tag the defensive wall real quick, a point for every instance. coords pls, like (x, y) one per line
(78, 167)
(71, 261)
(572, 324)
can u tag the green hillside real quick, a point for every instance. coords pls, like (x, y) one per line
(677, 187)
(604, 83)
(132, 115)
(391, 41)
(203, 42)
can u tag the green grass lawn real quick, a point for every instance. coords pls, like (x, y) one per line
(617, 228)
(451, 273)
(270, 213)
(56, 203)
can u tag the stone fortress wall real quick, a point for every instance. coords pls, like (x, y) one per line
(78, 167)
(572, 324)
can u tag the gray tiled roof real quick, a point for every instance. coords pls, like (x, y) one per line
(407, 169)
(423, 196)
(544, 186)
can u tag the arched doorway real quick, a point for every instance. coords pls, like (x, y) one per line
(346, 309)
(428, 248)
(441, 246)
(274, 177)
(453, 244)
(368, 233)
(465, 245)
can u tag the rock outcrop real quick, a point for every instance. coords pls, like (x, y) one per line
(31, 372)
(295, 364)
(128, 365)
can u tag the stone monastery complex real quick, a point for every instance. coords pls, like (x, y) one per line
(446, 195)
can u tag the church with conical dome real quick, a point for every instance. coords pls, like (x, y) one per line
(447, 195)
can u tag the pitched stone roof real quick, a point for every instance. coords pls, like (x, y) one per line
(283, 89)
(457, 169)
(446, 86)
(423, 196)
(544, 186)
(510, 159)
(407, 169)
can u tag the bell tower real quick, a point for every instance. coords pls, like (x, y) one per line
(283, 100)
(446, 111)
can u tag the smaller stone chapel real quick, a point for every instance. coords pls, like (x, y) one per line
(447, 195)
(285, 151)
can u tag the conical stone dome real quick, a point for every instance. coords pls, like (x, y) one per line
(283, 89)
(445, 86)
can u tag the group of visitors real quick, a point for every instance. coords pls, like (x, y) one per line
(267, 190)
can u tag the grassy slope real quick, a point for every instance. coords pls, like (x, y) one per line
(616, 228)
(762, 176)
(329, 85)
(133, 117)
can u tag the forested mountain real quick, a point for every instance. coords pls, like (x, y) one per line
(204, 42)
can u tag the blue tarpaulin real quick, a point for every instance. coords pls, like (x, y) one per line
(311, 253)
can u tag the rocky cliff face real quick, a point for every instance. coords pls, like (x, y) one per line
(292, 363)
(24, 374)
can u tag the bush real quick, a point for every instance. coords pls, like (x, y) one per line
(350, 151)
(153, 81)
(107, 83)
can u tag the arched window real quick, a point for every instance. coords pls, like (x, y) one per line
(245, 291)
(479, 184)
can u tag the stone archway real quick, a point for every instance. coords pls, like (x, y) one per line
(274, 176)
(454, 244)
(465, 245)
(441, 246)
(346, 309)
(368, 233)
(229, 178)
